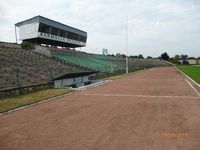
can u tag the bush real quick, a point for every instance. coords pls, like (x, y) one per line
(27, 45)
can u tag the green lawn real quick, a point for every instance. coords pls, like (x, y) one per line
(192, 71)
(10, 103)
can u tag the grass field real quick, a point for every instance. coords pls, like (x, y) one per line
(192, 71)
(10, 103)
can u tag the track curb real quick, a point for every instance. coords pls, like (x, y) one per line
(56, 97)
(188, 77)
(36, 103)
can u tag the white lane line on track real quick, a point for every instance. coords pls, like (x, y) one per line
(144, 96)
(195, 90)
(169, 79)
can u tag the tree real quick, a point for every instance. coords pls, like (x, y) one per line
(27, 45)
(140, 56)
(184, 57)
(123, 55)
(149, 57)
(133, 57)
(175, 59)
(165, 56)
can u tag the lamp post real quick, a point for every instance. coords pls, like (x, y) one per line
(127, 44)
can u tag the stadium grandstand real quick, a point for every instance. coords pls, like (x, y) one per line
(30, 67)
(24, 67)
(44, 62)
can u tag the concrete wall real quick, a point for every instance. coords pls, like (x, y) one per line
(198, 61)
(192, 61)
(28, 31)
(22, 90)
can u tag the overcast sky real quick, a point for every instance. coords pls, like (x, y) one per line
(154, 26)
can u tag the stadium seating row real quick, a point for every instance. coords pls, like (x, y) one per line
(93, 62)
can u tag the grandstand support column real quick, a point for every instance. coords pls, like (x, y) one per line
(15, 34)
(127, 44)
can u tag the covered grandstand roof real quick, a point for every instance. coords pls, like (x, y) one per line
(51, 22)
(46, 31)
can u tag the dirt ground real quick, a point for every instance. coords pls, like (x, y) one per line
(157, 109)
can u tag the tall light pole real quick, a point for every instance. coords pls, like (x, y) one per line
(126, 44)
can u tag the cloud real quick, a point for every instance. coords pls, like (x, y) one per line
(154, 26)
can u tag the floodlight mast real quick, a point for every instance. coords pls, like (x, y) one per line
(127, 44)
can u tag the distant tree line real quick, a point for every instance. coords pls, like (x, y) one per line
(140, 56)
(177, 59)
